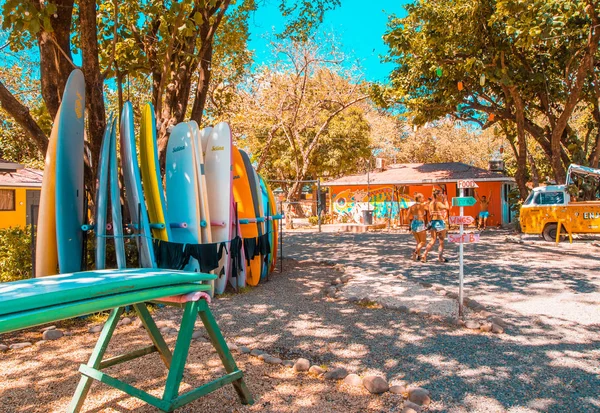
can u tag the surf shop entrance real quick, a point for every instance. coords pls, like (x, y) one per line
(389, 191)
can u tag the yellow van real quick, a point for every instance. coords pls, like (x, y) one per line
(546, 206)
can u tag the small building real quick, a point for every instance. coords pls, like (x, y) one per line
(19, 194)
(390, 191)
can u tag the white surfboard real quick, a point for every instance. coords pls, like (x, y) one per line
(217, 167)
(183, 211)
(204, 136)
(205, 231)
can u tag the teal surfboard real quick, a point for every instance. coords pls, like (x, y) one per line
(133, 189)
(69, 175)
(102, 195)
(183, 210)
(115, 200)
(264, 193)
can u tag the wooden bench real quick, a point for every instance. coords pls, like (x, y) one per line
(29, 303)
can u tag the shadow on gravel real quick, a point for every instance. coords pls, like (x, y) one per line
(535, 369)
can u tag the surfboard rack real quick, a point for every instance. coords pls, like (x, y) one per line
(157, 225)
(260, 219)
(178, 225)
(88, 227)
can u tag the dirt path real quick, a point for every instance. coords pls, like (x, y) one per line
(546, 363)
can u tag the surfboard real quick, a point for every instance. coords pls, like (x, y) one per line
(181, 180)
(102, 196)
(204, 137)
(151, 179)
(276, 223)
(245, 205)
(266, 202)
(133, 189)
(46, 257)
(217, 167)
(257, 201)
(115, 200)
(205, 227)
(240, 278)
(69, 175)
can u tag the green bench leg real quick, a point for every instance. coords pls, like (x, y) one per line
(85, 382)
(221, 346)
(154, 333)
(180, 353)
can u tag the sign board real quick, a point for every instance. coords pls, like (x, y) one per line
(463, 201)
(461, 220)
(466, 183)
(465, 239)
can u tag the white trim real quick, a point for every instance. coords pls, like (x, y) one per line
(420, 182)
(21, 185)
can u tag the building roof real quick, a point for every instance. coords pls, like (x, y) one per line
(26, 177)
(7, 166)
(421, 173)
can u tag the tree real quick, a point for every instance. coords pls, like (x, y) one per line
(444, 141)
(525, 64)
(290, 108)
(171, 43)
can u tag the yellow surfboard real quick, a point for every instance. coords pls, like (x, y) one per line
(243, 196)
(151, 180)
(46, 257)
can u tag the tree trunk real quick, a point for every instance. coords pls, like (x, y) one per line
(573, 95)
(521, 174)
(94, 82)
(55, 63)
(202, 87)
(535, 176)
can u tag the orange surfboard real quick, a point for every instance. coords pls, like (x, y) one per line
(243, 196)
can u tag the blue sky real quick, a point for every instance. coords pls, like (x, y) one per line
(358, 24)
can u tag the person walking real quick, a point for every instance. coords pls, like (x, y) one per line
(438, 209)
(417, 225)
(484, 205)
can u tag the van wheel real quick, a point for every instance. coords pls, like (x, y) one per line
(549, 233)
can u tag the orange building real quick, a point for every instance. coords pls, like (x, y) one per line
(389, 191)
(19, 194)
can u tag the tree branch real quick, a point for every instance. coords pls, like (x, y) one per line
(21, 115)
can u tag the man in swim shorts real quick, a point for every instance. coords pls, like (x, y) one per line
(417, 225)
(438, 208)
(484, 204)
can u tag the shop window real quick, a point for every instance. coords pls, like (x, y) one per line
(7, 199)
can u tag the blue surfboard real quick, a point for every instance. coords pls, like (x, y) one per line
(102, 195)
(133, 189)
(115, 201)
(69, 175)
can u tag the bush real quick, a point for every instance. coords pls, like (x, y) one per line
(314, 220)
(15, 254)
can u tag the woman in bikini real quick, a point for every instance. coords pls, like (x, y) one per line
(417, 225)
(438, 208)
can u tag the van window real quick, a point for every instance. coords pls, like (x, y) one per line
(529, 198)
(550, 198)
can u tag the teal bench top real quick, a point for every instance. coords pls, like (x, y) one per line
(38, 293)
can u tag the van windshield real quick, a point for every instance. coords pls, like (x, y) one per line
(529, 199)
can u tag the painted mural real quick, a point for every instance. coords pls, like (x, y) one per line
(385, 202)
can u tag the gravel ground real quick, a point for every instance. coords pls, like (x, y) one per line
(547, 362)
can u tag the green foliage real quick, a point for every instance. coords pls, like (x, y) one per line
(15, 254)
(497, 50)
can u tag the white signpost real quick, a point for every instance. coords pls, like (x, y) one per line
(467, 183)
